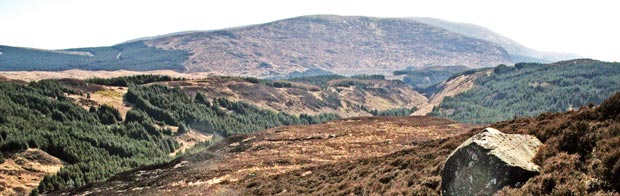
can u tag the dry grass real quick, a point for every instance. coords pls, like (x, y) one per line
(108, 95)
(21, 172)
(450, 88)
(241, 159)
(189, 140)
(580, 156)
(386, 156)
(344, 101)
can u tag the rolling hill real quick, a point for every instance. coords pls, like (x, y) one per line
(170, 109)
(346, 97)
(528, 89)
(420, 78)
(341, 44)
(579, 156)
(136, 56)
(80, 126)
(148, 119)
(345, 45)
(238, 165)
(517, 51)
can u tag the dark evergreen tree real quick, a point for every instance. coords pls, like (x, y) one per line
(202, 99)
(529, 89)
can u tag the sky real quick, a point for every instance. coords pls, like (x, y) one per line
(587, 28)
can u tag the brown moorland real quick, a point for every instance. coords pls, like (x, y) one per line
(303, 150)
(21, 172)
(580, 156)
(344, 100)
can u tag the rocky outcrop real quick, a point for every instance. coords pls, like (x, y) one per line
(488, 161)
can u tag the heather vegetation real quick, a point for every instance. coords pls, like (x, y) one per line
(530, 89)
(579, 156)
(97, 143)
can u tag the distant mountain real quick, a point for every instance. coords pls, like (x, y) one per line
(340, 44)
(134, 56)
(518, 52)
(345, 45)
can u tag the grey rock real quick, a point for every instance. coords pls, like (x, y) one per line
(488, 161)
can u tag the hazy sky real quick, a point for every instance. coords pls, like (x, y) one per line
(588, 28)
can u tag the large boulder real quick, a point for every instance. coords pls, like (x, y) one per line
(488, 161)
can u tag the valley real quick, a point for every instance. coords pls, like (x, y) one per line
(292, 161)
(309, 105)
(346, 97)
(345, 45)
(278, 151)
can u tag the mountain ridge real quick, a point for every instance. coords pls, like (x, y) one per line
(345, 45)
(519, 52)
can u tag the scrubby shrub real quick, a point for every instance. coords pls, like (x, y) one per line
(610, 108)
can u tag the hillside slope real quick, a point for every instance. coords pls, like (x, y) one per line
(136, 56)
(341, 44)
(531, 89)
(347, 97)
(69, 119)
(276, 152)
(344, 45)
(579, 157)
(421, 78)
(449, 88)
(518, 52)
(21, 172)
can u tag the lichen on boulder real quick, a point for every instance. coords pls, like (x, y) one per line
(488, 161)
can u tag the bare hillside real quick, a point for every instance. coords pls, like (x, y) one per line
(346, 97)
(341, 44)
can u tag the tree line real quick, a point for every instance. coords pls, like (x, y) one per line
(93, 143)
(96, 143)
(125, 81)
(528, 89)
(174, 107)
